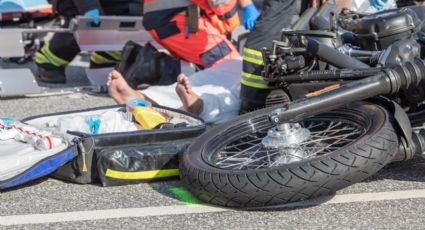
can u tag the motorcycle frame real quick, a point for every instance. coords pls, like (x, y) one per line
(360, 82)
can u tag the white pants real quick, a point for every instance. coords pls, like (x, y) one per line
(218, 87)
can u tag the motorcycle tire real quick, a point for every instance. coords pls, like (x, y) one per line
(205, 175)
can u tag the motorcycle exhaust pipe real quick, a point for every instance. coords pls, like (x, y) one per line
(388, 81)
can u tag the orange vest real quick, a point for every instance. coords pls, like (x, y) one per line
(224, 10)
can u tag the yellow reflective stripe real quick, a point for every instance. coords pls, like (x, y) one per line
(253, 56)
(53, 59)
(252, 76)
(115, 54)
(99, 59)
(254, 81)
(253, 60)
(254, 85)
(142, 175)
(253, 52)
(40, 58)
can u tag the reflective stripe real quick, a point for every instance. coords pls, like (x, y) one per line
(245, 54)
(53, 59)
(157, 5)
(253, 80)
(252, 52)
(253, 76)
(253, 60)
(218, 3)
(142, 175)
(115, 54)
(253, 85)
(229, 14)
(99, 59)
(253, 56)
(215, 54)
(40, 58)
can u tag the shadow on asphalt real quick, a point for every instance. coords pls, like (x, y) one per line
(412, 170)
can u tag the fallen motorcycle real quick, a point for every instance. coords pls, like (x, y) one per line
(353, 104)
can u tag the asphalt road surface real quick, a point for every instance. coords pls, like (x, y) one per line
(392, 199)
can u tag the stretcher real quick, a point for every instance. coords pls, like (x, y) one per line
(110, 35)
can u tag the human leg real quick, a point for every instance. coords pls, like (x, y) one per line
(191, 101)
(54, 56)
(119, 90)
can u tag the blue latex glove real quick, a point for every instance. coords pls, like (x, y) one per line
(94, 14)
(94, 124)
(378, 4)
(250, 15)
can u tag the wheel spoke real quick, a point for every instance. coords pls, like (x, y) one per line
(249, 152)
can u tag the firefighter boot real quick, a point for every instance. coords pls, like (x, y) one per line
(51, 74)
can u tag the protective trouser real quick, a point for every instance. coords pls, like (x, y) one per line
(62, 48)
(276, 15)
(58, 52)
(206, 48)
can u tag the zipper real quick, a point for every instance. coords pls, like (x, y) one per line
(83, 155)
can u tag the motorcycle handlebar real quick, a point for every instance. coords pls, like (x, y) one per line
(388, 81)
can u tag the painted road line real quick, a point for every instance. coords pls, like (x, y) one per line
(185, 209)
(357, 198)
(106, 214)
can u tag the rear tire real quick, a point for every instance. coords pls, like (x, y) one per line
(305, 179)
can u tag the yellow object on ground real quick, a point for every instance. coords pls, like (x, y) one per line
(147, 117)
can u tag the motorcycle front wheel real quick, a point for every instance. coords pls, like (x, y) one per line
(233, 165)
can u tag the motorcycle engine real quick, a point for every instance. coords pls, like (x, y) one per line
(378, 31)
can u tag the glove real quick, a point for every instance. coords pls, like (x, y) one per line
(250, 15)
(378, 4)
(94, 14)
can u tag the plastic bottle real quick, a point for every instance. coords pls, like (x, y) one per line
(133, 103)
(147, 117)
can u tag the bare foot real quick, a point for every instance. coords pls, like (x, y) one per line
(119, 90)
(191, 102)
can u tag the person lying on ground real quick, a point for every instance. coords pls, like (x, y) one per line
(213, 94)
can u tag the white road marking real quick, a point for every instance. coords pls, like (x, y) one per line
(194, 209)
(105, 214)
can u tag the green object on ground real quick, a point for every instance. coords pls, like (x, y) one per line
(185, 196)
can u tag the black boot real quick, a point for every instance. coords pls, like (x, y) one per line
(50, 74)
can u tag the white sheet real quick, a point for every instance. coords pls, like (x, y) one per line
(217, 86)
(16, 157)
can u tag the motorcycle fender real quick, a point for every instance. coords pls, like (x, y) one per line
(402, 121)
(402, 124)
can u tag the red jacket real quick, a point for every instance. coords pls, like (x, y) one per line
(159, 12)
